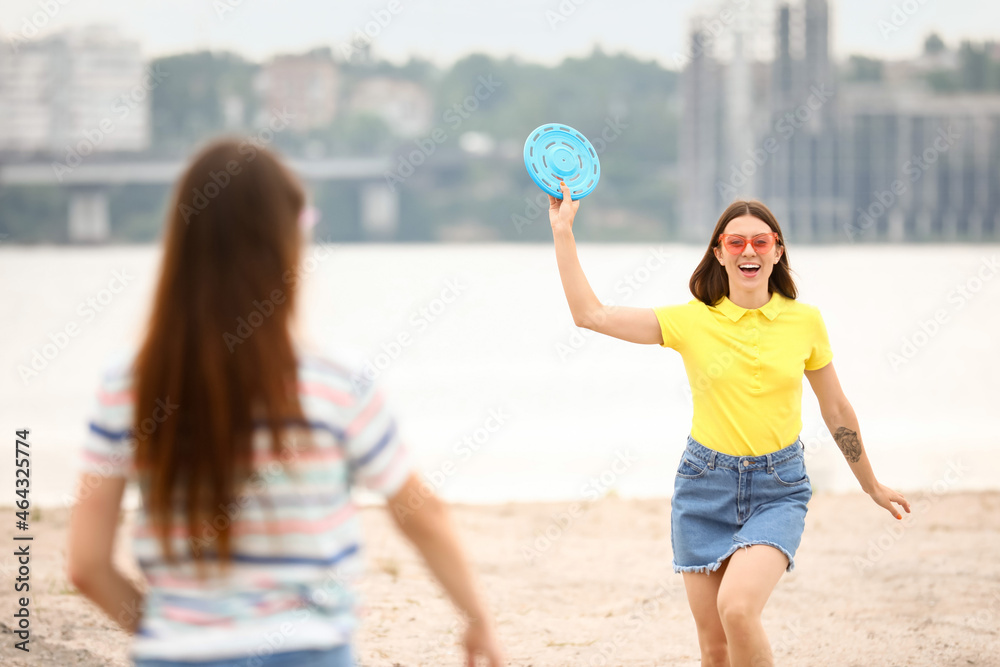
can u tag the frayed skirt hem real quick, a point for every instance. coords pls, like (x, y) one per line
(718, 563)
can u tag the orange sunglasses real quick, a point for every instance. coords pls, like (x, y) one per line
(735, 243)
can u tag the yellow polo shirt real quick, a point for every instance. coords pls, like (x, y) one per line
(745, 368)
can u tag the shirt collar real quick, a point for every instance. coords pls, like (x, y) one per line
(734, 312)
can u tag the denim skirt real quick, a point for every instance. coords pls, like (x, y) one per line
(723, 502)
(338, 656)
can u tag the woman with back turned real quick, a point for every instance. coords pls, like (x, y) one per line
(245, 443)
(741, 489)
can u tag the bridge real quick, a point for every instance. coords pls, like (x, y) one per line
(87, 183)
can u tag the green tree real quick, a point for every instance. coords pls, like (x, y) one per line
(933, 44)
(188, 105)
(973, 66)
(860, 68)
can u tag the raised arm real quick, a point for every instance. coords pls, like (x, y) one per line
(636, 325)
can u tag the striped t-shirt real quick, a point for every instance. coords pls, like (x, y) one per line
(295, 537)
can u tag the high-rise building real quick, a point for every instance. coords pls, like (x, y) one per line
(84, 90)
(721, 89)
(799, 179)
(834, 161)
(921, 166)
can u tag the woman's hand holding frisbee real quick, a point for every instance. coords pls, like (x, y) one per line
(562, 211)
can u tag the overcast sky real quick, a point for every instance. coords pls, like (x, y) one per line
(446, 30)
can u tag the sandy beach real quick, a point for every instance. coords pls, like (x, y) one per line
(866, 590)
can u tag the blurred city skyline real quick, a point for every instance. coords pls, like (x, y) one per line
(754, 103)
(444, 32)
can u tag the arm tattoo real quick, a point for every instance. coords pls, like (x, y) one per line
(849, 444)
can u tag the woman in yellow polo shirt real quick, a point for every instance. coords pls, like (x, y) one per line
(741, 480)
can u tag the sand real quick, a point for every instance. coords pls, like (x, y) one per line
(867, 589)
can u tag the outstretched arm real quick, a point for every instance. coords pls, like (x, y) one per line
(424, 520)
(843, 424)
(636, 325)
(92, 528)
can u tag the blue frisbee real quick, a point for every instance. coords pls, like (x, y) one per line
(554, 153)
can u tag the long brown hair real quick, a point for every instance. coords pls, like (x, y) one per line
(232, 240)
(709, 282)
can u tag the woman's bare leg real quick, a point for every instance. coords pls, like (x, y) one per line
(751, 576)
(702, 593)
